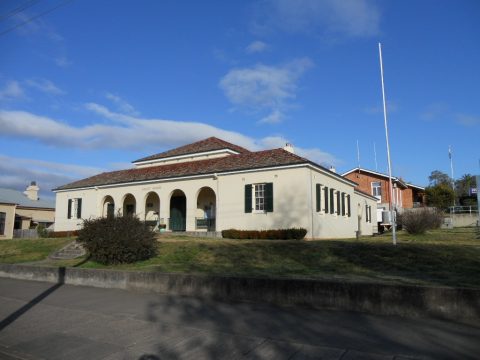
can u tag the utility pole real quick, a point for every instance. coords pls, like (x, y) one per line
(392, 211)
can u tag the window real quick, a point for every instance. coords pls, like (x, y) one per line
(262, 199)
(377, 189)
(332, 201)
(348, 206)
(368, 214)
(2, 223)
(318, 197)
(74, 208)
(325, 193)
(343, 204)
(337, 195)
(259, 197)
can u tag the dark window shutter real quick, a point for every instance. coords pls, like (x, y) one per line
(69, 213)
(349, 206)
(269, 197)
(79, 208)
(326, 199)
(332, 201)
(343, 204)
(318, 200)
(369, 214)
(366, 213)
(338, 203)
(248, 198)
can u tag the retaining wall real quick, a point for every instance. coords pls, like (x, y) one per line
(457, 304)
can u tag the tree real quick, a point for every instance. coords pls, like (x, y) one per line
(437, 177)
(440, 196)
(462, 188)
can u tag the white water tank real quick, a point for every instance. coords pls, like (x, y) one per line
(386, 217)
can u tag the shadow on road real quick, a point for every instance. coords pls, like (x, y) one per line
(15, 315)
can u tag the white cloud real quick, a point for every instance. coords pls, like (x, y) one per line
(131, 133)
(256, 47)
(313, 154)
(122, 105)
(467, 120)
(11, 91)
(45, 86)
(349, 18)
(435, 111)
(16, 173)
(274, 117)
(62, 61)
(263, 87)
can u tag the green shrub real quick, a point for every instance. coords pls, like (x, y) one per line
(278, 234)
(42, 232)
(117, 240)
(419, 221)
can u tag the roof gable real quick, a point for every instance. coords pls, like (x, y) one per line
(202, 146)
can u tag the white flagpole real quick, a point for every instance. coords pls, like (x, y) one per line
(450, 155)
(358, 156)
(392, 211)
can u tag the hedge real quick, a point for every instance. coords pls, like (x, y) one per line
(277, 234)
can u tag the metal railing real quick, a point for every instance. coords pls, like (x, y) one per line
(202, 223)
(463, 209)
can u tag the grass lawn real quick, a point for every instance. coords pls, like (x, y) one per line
(440, 257)
(27, 250)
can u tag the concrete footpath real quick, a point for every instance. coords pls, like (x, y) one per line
(56, 321)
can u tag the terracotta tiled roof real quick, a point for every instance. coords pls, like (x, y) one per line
(244, 161)
(210, 144)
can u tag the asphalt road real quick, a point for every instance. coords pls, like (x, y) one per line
(47, 321)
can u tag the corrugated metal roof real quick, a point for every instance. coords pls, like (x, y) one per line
(17, 197)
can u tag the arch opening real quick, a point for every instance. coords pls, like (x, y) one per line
(108, 207)
(178, 211)
(205, 217)
(129, 205)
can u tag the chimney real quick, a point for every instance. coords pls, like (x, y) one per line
(332, 169)
(289, 147)
(32, 191)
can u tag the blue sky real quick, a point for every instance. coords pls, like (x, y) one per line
(92, 85)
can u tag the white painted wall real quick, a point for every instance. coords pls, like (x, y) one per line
(293, 204)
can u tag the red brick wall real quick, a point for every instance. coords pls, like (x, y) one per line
(365, 180)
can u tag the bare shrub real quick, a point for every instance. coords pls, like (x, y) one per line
(419, 221)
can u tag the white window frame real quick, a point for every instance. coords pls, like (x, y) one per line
(376, 187)
(322, 200)
(254, 198)
(74, 212)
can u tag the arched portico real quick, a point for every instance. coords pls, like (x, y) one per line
(108, 207)
(129, 205)
(152, 208)
(205, 216)
(178, 211)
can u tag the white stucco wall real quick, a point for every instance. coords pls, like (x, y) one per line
(293, 204)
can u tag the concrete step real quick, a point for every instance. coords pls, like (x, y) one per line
(70, 251)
